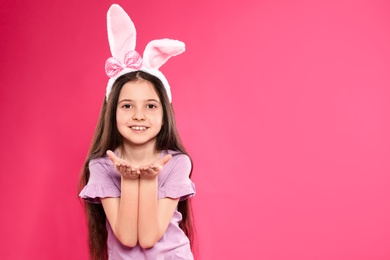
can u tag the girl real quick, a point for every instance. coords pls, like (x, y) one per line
(137, 174)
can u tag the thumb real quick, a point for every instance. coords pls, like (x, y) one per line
(165, 159)
(112, 156)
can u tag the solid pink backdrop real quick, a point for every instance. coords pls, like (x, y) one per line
(284, 107)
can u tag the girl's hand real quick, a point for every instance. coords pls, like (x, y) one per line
(152, 170)
(123, 167)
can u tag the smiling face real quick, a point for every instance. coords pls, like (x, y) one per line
(139, 114)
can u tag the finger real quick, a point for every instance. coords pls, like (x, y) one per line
(112, 156)
(135, 171)
(155, 167)
(120, 164)
(151, 171)
(128, 170)
(165, 159)
(122, 168)
(148, 171)
(143, 168)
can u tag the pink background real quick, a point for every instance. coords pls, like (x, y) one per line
(283, 105)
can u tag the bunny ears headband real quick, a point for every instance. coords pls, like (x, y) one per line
(122, 40)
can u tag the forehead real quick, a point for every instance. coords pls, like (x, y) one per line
(138, 90)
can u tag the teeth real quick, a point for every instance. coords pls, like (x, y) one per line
(138, 128)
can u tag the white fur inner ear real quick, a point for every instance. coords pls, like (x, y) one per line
(121, 32)
(157, 52)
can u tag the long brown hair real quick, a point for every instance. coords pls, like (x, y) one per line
(107, 137)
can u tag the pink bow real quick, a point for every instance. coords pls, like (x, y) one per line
(132, 61)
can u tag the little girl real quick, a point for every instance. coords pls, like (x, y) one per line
(137, 174)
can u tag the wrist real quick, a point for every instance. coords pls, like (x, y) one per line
(130, 179)
(148, 179)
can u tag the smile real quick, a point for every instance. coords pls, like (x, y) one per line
(138, 128)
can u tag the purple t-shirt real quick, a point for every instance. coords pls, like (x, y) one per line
(173, 182)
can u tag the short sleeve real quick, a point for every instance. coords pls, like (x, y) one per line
(177, 184)
(101, 183)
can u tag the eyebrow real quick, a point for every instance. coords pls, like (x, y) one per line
(130, 100)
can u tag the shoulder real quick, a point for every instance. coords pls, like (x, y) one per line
(101, 165)
(178, 158)
(179, 164)
(176, 175)
(104, 160)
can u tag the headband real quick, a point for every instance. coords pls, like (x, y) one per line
(122, 40)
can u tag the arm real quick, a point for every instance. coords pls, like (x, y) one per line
(122, 213)
(154, 214)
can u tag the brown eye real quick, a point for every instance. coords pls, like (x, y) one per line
(151, 106)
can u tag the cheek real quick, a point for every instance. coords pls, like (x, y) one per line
(161, 121)
(121, 119)
(158, 122)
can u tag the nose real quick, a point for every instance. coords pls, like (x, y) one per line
(138, 115)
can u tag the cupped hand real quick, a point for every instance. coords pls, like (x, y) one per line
(123, 167)
(153, 169)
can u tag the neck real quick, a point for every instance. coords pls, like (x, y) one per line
(139, 155)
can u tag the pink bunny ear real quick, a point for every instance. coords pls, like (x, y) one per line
(122, 40)
(121, 32)
(157, 52)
